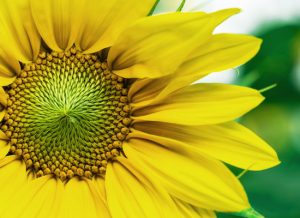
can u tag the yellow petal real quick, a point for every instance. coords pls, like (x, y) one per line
(18, 32)
(100, 188)
(38, 198)
(2, 114)
(228, 142)
(157, 45)
(146, 89)
(197, 180)
(9, 65)
(131, 195)
(3, 136)
(189, 211)
(3, 143)
(204, 213)
(87, 206)
(221, 52)
(8, 160)
(5, 81)
(58, 22)
(13, 178)
(3, 97)
(4, 149)
(103, 21)
(97, 188)
(202, 104)
(48, 200)
(140, 88)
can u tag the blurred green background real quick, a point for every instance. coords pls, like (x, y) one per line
(275, 193)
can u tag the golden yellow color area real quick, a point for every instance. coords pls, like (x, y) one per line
(100, 117)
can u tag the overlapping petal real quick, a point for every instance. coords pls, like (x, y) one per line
(78, 200)
(58, 22)
(229, 142)
(156, 46)
(130, 194)
(38, 198)
(9, 65)
(197, 180)
(220, 52)
(18, 33)
(98, 193)
(13, 178)
(189, 211)
(202, 104)
(105, 20)
(92, 25)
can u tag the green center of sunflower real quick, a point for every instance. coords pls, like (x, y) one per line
(67, 115)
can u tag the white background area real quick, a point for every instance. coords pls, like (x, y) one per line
(254, 14)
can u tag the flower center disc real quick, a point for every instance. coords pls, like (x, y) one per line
(67, 115)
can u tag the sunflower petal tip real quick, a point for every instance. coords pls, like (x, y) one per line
(236, 10)
(259, 98)
(220, 16)
(276, 161)
(271, 160)
(231, 11)
(248, 213)
(257, 42)
(265, 166)
(262, 99)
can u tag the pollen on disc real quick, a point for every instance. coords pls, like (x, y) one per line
(67, 115)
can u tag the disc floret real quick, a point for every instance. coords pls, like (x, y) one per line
(67, 114)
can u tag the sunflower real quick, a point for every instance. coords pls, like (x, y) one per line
(100, 117)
